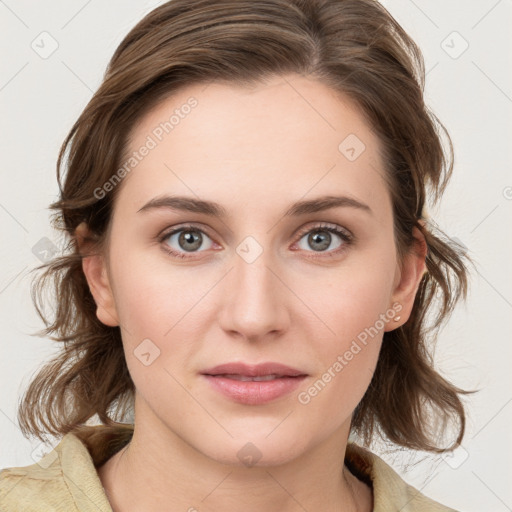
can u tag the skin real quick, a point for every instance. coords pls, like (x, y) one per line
(255, 151)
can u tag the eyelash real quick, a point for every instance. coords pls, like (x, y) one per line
(347, 238)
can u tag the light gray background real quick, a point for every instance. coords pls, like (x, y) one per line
(470, 91)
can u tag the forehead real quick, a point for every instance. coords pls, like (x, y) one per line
(287, 136)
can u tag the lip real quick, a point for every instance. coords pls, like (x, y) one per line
(254, 392)
(254, 370)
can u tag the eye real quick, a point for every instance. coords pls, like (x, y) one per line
(189, 239)
(320, 238)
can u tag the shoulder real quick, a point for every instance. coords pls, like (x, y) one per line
(390, 491)
(65, 479)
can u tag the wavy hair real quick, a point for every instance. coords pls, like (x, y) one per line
(355, 47)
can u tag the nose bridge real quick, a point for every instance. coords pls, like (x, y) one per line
(255, 304)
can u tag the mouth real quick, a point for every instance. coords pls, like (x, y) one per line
(260, 378)
(254, 384)
(238, 370)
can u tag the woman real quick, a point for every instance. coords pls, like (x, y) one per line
(251, 131)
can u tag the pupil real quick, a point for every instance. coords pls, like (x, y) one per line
(189, 237)
(324, 239)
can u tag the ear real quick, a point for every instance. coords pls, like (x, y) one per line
(408, 277)
(95, 271)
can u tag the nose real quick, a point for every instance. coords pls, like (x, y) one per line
(255, 299)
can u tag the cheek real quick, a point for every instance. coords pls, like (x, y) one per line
(347, 356)
(161, 314)
(349, 300)
(150, 306)
(354, 310)
(151, 295)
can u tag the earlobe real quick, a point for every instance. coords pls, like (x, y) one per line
(95, 271)
(409, 276)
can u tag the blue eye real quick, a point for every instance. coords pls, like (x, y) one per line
(192, 238)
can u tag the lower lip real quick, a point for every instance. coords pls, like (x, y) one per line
(254, 392)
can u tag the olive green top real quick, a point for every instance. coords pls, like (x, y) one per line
(66, 478)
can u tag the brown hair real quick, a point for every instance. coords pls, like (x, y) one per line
(355, 47)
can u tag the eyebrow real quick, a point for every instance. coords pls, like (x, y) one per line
(190, 204)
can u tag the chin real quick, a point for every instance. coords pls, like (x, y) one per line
(256, 451)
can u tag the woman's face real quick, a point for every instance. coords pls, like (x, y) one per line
(265, 281)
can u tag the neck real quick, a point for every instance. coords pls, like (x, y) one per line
(158, 470)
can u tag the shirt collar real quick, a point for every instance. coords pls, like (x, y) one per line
(88, 447)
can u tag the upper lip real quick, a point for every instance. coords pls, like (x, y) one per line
(254, 370)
